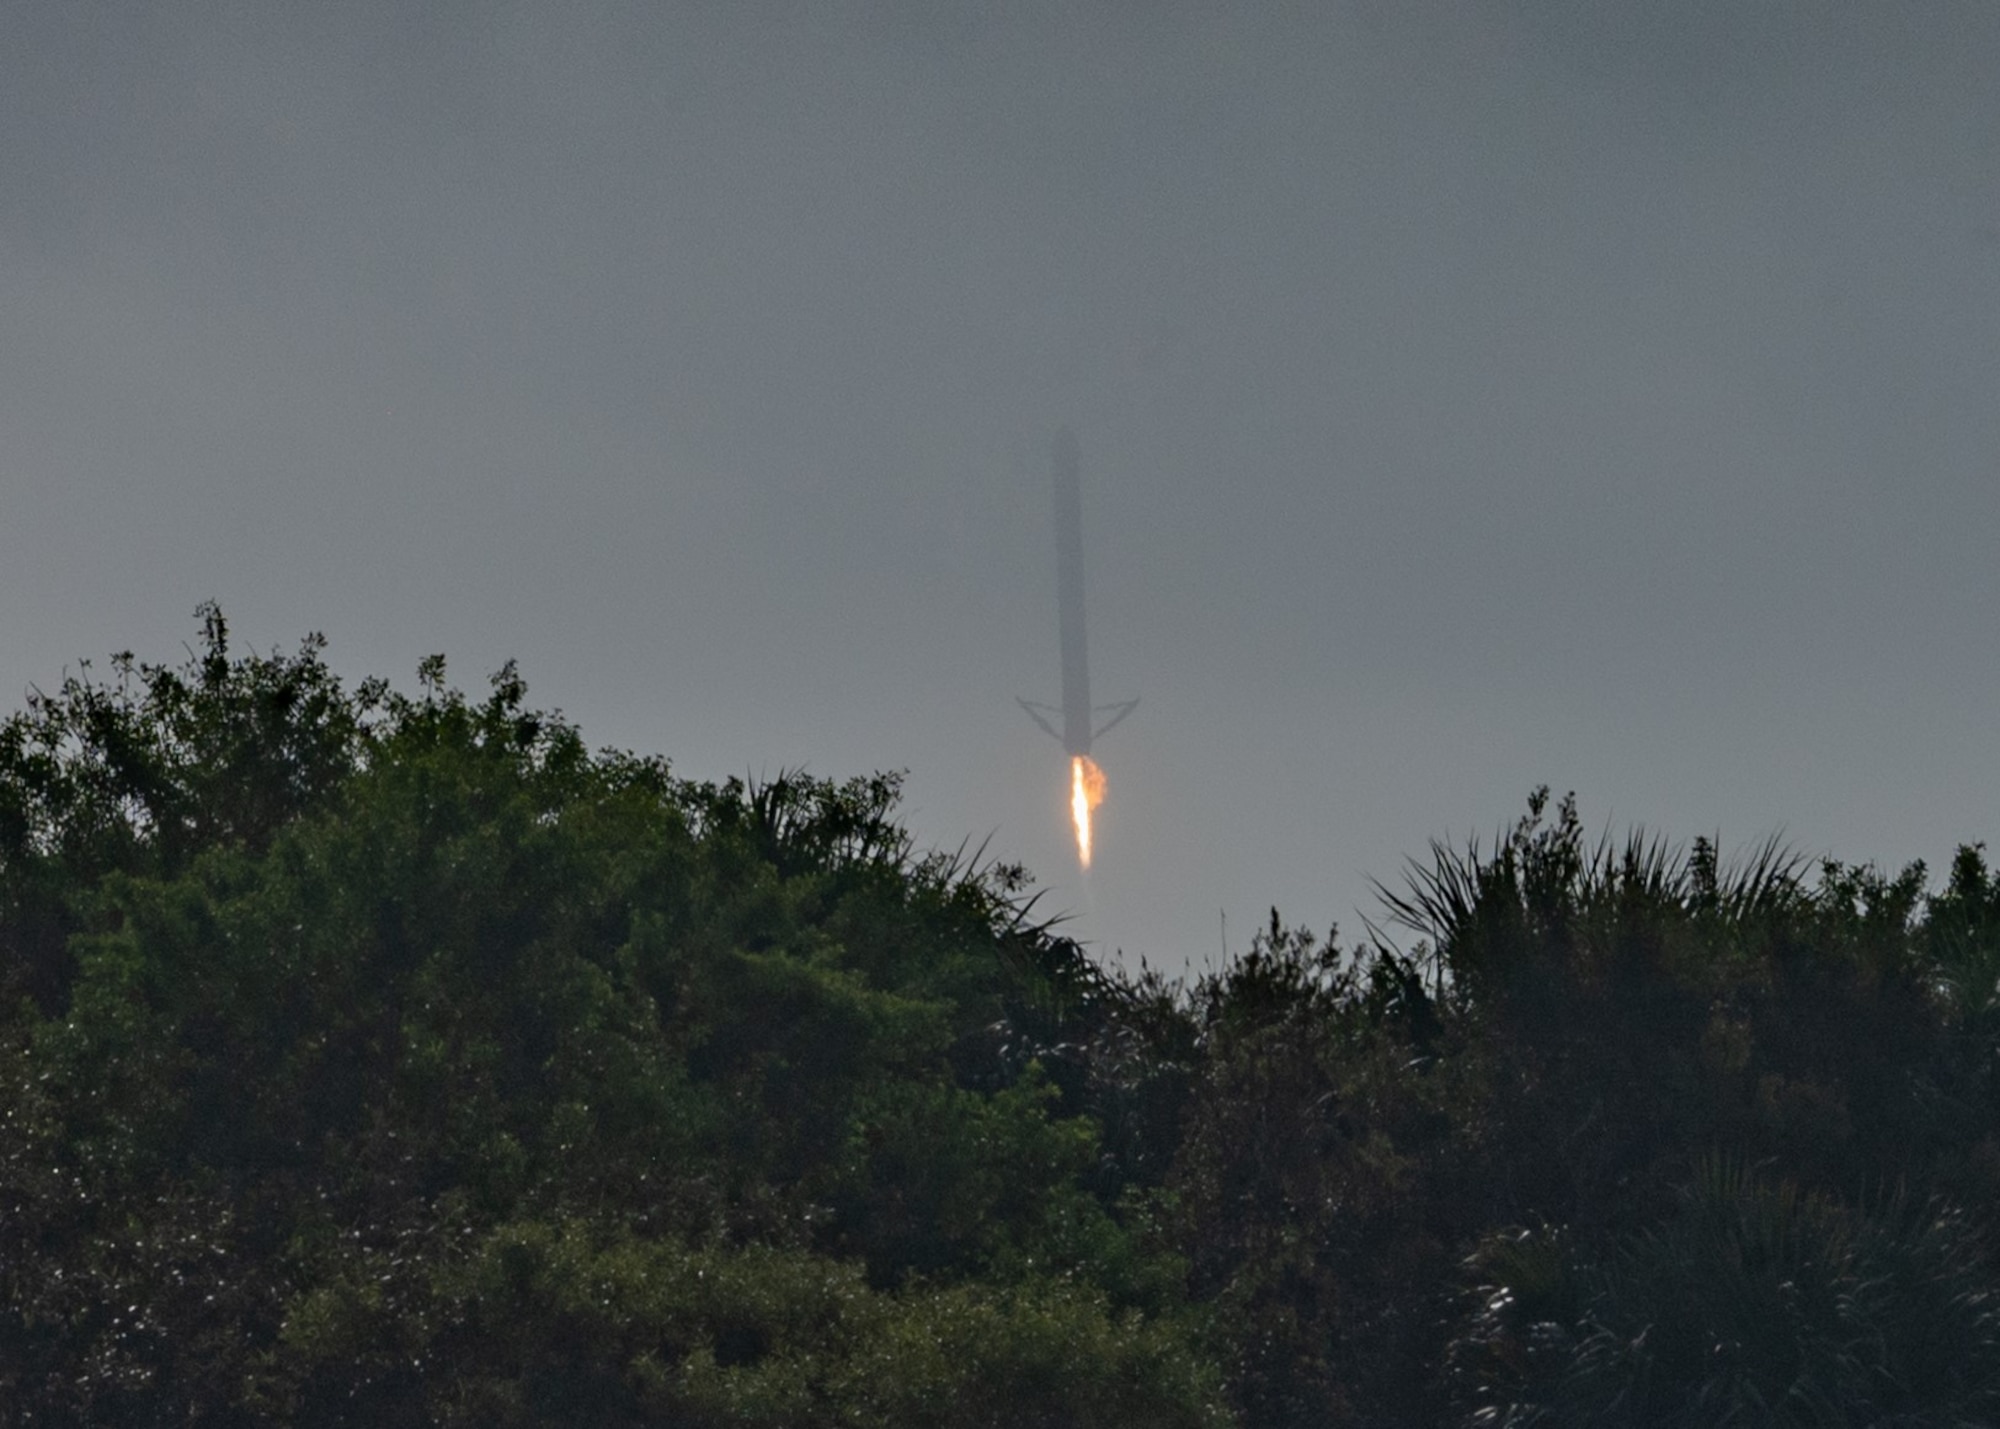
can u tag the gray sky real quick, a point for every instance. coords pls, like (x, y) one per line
(1471, 396)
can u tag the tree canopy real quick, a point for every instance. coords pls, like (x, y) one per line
(377, 1058)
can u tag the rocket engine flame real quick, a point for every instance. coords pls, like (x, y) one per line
(1086, 792)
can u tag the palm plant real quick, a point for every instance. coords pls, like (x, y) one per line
(1758, 1303)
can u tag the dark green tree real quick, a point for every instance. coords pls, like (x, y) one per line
(384, 1059)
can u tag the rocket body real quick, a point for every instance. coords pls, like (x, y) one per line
(1082, 722)
(1077, 716)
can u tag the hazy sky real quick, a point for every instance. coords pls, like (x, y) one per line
(1471, 396)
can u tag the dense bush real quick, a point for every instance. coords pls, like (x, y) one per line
(373, 1059)
(385, 1059)
(1753, 1299)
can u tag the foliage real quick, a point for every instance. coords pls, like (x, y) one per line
(1755, 1300)
(1583, 1034)
(374, 1058)
(380, 1059)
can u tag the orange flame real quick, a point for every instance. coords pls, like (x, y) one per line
(1086, 792)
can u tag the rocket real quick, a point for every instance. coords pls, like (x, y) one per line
(1079, 717)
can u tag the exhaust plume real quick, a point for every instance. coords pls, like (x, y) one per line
(1086, 792)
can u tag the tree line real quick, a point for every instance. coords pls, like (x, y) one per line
(397, 1059)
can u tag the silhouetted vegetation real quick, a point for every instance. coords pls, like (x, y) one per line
(385, 1059)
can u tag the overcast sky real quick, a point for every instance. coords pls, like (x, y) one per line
(1470, 396)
